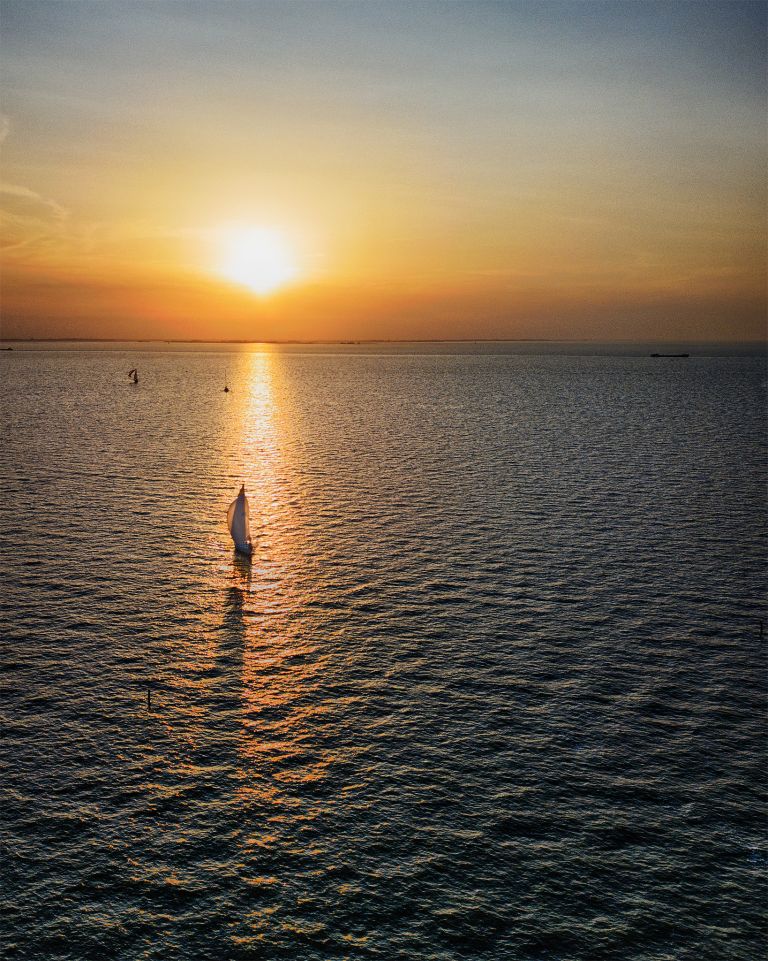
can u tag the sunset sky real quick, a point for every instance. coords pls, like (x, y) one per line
(384, 170)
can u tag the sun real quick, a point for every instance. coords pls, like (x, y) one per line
(258, 258)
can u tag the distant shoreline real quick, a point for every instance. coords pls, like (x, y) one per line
(347, 343)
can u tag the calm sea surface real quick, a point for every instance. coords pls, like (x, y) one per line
(491, 688)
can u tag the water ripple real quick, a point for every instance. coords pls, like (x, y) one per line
(491, 687)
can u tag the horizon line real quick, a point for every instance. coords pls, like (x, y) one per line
(348, 342)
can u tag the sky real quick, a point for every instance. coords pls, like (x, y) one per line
(452, 170)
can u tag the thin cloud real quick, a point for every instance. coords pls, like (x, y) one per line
(29, 221)
(21, 201)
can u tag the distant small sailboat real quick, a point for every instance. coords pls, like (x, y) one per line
(239, 524)
(226, 386)
(134, 374)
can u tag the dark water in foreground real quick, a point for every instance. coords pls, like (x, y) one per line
(492, 687)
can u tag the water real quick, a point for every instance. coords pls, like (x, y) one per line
(491, 688)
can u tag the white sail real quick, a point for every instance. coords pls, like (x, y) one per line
(238, 522)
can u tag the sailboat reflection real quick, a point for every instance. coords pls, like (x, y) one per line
(234, 605)
(226, 690)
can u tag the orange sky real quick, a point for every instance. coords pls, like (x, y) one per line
(436, 171)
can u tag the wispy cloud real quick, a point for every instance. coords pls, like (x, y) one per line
(21, 201)
(28, 220)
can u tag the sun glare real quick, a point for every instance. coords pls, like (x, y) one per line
(258, 258)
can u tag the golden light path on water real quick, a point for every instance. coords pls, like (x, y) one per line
(268, 591)
(257, 662)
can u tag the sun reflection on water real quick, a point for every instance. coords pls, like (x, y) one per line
(247, 711)
(267, 594)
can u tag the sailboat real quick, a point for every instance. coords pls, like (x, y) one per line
(238, 523)
(226, 385)
(134, 374)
